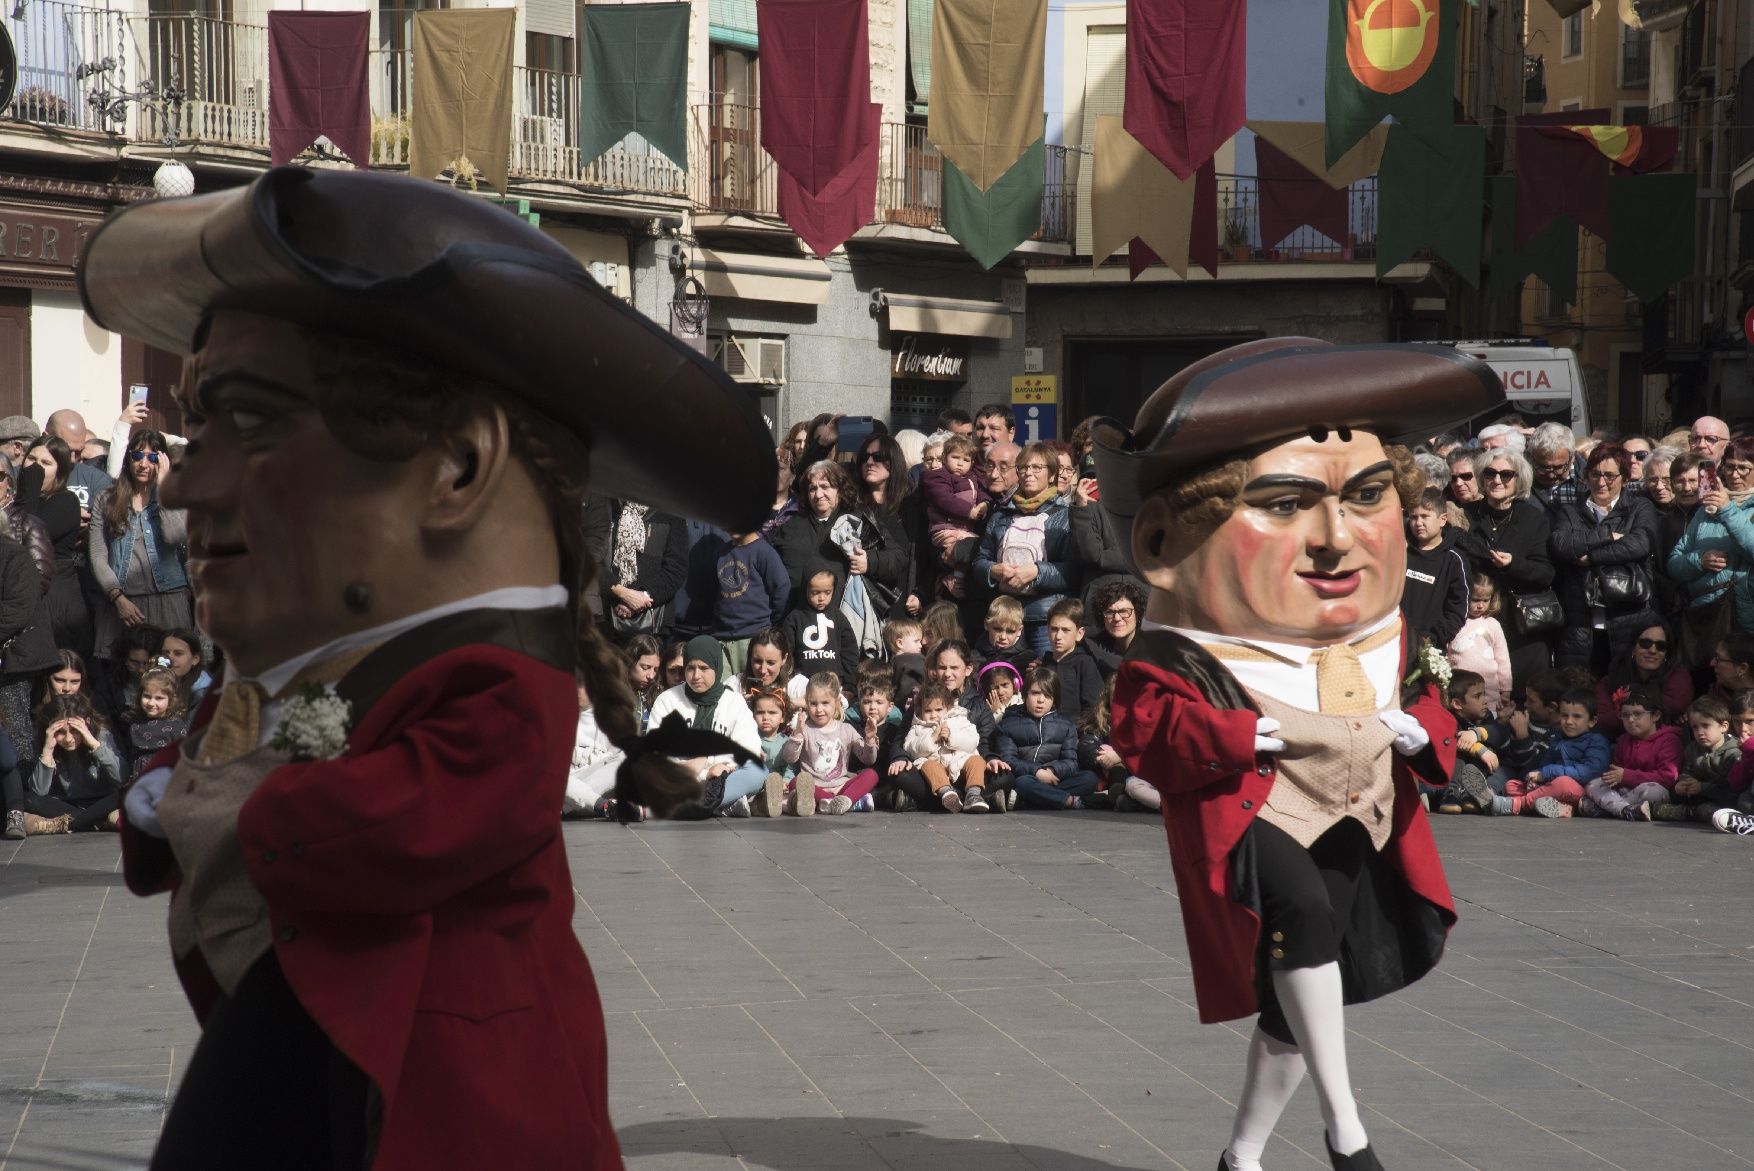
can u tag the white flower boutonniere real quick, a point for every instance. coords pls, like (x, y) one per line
(1430, 665)
(313, 724)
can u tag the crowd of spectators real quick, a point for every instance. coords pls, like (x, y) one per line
(934, 622)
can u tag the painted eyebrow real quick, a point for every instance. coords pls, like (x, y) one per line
(213, 384)
(1310, 484)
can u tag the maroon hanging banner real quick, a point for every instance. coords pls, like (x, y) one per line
(1185, 78)
(317, 84)
(815, 88)
(1559, 173)
(827, 219)
(1289, 196)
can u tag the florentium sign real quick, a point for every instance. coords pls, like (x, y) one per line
(930, 359)
(41, 238)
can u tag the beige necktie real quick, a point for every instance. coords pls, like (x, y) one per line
(1342, 687)
(236, 729)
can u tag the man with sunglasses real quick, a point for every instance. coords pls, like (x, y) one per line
(1710, 435)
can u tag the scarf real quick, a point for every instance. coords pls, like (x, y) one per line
(705, 648)
(631, 536)
(1029, 505)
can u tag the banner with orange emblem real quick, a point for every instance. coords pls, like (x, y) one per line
(1389, 58)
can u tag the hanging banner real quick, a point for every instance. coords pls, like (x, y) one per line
(991, 224)
(1185, 78)
(1389, 58)
(1431, 196)
(635, 78)
(317, 84)
(987, 89)
(462, 100)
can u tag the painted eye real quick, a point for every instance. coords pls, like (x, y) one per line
(1371, 494)
(1286, 507)
(247, 421)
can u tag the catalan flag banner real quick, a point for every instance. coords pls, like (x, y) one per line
(1635, 150)
(1389, 59)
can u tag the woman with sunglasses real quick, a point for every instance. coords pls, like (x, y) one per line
(137, 548)
(43, 490)
(1652, 659)
(1507, 540)
(1602, 548)
(1710, 562)
(889, 504)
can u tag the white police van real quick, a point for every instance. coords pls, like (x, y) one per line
(1542, 383)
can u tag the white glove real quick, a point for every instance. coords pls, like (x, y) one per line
(141, 803)
(1265, 741)
(1411, 737)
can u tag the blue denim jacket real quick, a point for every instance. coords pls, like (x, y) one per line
(166, 562)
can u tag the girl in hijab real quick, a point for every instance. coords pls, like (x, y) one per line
(704, 702)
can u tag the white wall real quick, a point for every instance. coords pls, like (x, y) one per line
(73, 363)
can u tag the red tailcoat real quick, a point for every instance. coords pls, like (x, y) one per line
(1180, 721)
(422, 912)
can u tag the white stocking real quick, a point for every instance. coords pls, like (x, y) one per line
(1274, 1070)
(1314, 1007)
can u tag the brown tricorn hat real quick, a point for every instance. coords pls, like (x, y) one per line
(450, 280)
(1249, 397)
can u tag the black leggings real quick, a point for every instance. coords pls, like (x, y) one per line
(85, 816)
(914, 784)
(267, 1090)
(1306, 900)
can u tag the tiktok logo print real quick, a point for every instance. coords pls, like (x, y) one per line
(816, 634)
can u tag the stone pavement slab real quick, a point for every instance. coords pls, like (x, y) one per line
(1000, 994)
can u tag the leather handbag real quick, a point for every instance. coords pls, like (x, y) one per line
(1618, 587)
(1538, 612)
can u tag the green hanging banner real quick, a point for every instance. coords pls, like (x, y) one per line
(992, 223)
(1651, 245)
(1432, 197)
(1551, 255)
(1389, 58)
(635, 78)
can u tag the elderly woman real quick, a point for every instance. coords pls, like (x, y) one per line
(1602, 546)
(1507, 541)
(1464, 483)
(1028, 550)
(1652, 659)
(137, 548)
(1711, 560)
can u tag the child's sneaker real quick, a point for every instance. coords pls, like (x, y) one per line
(1550, 807)
(799, 805)
(1449, 807)
(974, 801)
(771, 801)
(948, 798)
(1733, 822)
(865, 804)
(15, 831)
(1639, 812)
(900, 802)
(835, 805)
(738, 808)
(1672, 811)
(1475, 790)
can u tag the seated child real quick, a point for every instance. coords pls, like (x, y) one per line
(1646, 759)
(158, 719)
(1004, 636)
(772, 711)
(944, 745)
(77, 781)
(957, 501)
(1080, 677)
(1704, 784)
(904, 639)
(824, 746)
(1471, 786)
(1533, 726)
(590, 783)
(1577, 757)
(876, 710)
(1127, 793)
(1480, 645)
(820, 637)
(644, 658)
(1740, 819)
(1041, 747)
(1000, 686)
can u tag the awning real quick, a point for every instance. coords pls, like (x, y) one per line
(912, 314)
(756, 276)
(731, 22)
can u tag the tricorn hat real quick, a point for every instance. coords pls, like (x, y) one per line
(1249, 397)
(456, 281)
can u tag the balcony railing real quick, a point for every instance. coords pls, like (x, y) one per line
(1239, 227)
(53, 40)
(221, 66)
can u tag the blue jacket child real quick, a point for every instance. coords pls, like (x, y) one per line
(1029, 743)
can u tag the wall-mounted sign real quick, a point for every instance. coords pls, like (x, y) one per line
(930, 358)
(1035, 401)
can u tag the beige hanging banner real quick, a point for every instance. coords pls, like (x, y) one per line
(987, 61)
(462, 107)
(1132, 194)
(1303, 141)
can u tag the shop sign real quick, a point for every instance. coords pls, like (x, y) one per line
(930, 358)
(45, 239)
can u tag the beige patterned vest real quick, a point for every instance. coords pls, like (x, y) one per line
(216, 907)
(1333, 767)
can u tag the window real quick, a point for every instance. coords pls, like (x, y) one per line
(549, 52)
(1634, 114)
(1571, 104)
(1634, 58)
(1571, 37)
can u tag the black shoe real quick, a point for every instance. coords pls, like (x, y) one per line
(1363, 1159)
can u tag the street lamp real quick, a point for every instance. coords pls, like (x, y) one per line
(111, 101)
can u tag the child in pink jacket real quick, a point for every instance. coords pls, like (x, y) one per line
(1480, 646)
(1647, 759)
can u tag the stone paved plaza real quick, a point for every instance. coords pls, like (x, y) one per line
(989, 993)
